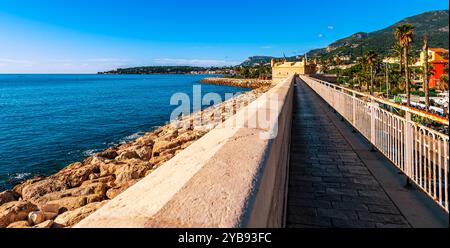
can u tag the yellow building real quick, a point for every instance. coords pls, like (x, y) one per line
(283, 69)
(434, 54)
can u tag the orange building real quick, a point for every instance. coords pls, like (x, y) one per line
(438, 58)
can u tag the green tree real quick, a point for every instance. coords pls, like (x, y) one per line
(404, 33)
(371, 58)
(443, 84)
(397, 50)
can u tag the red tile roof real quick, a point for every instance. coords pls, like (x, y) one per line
(438, 50)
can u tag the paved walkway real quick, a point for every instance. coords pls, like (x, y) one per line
(331, 184)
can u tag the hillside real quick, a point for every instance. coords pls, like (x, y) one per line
(257, 60)
(435, 23)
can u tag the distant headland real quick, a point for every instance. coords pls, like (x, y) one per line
(169, 70)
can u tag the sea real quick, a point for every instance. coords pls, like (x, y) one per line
(50, 121)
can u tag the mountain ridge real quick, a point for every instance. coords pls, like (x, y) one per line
(435, 23)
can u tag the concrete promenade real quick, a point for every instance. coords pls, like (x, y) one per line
(336, 181)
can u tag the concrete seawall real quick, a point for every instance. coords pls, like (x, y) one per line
(232, 177)
(246, 83)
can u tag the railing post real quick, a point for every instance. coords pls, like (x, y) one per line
(354, 109)
(408, 147)
(372, 124)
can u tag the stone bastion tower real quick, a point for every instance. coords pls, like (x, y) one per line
(284, 69)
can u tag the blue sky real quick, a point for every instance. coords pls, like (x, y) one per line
(81, 36)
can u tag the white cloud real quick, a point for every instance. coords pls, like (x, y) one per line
(194, 62)
(320, 35)
(107, 60)
(330, 27)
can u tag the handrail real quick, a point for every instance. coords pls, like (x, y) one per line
(411, 110)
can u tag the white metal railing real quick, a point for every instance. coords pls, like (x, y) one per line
(420, 152)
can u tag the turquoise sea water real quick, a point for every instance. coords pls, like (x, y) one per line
(49, 121)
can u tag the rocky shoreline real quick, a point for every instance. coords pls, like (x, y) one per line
(246, 83)
(76, 191)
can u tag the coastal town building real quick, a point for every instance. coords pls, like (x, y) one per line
(438, 58)
(284, 69)
(391, 60)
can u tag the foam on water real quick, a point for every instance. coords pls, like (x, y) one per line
(131, 137)
(90, 152)
(20, 176)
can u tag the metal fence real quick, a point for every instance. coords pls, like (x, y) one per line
(419, 151)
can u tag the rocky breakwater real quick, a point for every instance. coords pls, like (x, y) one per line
(246, 83)
(76, 191)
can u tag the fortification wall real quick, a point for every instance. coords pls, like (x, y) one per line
(246, 83)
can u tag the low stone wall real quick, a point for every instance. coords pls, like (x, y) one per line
(234, 176)
(246, 83)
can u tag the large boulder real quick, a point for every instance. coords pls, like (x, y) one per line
(127, 154)
(134, 169)
(108, 180)
(110, 153)
(19, 187)
(70, 203)
(169, 133)
(98, 188)
(71, 218)
(8, 196)
(36, 217)
(162, 145)
(15, 211)
(75, 174)
(19, 224)
(70, 167)
(45, 224)
(110, 168)
(145, 152)
(187, 137)
(171, 151)
(146, 140)
(50, 208)
(36, 190)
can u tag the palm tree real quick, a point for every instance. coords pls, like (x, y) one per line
(359, 73)
(425, 72)
(398, 50)
(371, 58)
(404, 34)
